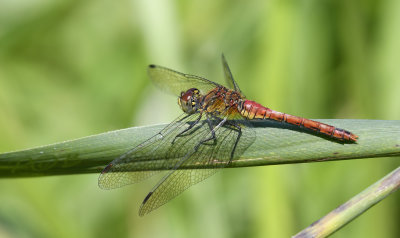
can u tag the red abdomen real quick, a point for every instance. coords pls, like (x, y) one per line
(252, 110)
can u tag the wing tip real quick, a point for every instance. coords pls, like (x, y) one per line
(101, 182)
(107, 168)
(142, 210)
(147, 197)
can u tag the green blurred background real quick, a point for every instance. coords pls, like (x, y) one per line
(70, 69)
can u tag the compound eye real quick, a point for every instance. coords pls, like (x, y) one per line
(186, 96)
(188, 100)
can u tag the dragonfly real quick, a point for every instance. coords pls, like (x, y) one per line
(214, 129)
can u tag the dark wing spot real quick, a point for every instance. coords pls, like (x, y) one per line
(152, 66)
(106, 169)
(147, 197)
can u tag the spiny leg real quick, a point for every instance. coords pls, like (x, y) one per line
(212, 137)
(212, 130)
(183, 118)
(209, 122)
(161, 133)
(188, 128)
(239, 128)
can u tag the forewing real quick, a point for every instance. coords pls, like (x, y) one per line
(211, 155)
(228, 75)
(175, 82)
(155, 154)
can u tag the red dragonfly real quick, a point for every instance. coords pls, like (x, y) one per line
(213, 130)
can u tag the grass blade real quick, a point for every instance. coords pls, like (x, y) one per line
(275, 143)
(348, 211)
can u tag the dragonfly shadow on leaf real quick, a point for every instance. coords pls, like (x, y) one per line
(283, 125)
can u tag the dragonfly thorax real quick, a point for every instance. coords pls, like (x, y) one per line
(189, 100)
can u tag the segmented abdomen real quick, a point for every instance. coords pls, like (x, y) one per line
(252, 110)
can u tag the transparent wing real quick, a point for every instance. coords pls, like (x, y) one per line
(228, 76)
(175, 82)
(149, 157)
(215, 154)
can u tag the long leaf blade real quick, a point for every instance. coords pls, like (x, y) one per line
(275, 143)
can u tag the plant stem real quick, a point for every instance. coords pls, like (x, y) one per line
(348, 211)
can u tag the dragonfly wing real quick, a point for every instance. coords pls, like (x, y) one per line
(213, 155)
(175, 82)
(172, 186)
(228, 75)
(155, 154)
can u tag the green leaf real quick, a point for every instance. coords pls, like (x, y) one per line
(275, 143)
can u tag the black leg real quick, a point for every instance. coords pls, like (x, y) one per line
(237, 139)
(212, 137)
(209, 122)
(188, 115)
(188, 128)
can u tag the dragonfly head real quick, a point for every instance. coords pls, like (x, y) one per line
(189, 100)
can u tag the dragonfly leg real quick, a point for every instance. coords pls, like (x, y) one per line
(212, 130)
(183, 118)
(239, 129)
(212, 137)
(188, 128)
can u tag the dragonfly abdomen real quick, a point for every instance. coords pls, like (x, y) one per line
(252, 110)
